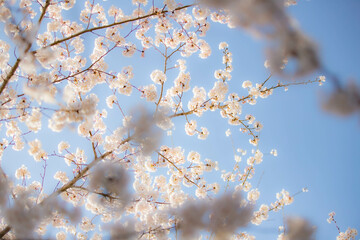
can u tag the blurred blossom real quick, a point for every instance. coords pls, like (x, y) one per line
(222, 216)
(343, 101)
(4, 190)
(46, 57)
(124, 231)
(25, 215)
(299, 229)
(142, 124)
(111, 178)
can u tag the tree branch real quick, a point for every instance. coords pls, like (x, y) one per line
(115, 24)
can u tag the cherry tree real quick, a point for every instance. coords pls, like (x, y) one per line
(70, 74)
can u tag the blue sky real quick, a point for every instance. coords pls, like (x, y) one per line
(316, 149)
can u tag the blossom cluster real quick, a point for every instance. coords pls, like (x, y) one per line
(349, 234)
(118, 168)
